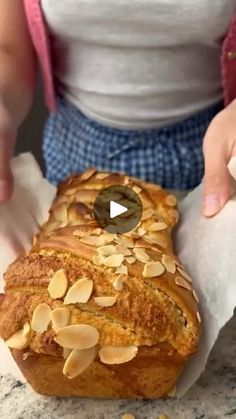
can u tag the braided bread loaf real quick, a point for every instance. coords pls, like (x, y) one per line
(89, 313)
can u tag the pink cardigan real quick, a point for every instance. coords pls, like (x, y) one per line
(39, 37)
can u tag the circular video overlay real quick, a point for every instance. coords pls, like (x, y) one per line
(117, 209)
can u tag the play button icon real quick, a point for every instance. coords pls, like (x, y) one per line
(117, 209)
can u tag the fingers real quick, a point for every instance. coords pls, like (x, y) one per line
(7, 142)
(216, 182)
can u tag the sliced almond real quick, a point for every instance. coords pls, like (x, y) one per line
(66, 352)
(172, 391)
(113, 261)
(169, 264)
(41, 318)
(183, 283)
(98, 260)
(60, 212)
(117, 355)
(141, 255)
(97, 231)
(185, 275)
(78, 336)
(195, 296)
(122, 269)
(107, 250)
(120, 248)
(58, 285)
(20, 339)
(128, 416)
(141, 231)
(126, 180)
(118, 283)
(163, 416)
(171, 200)
(60, 317)
(70, 191)
(105, 301)
(126, 241)
(102, 176)
(97, 240)
(199, 317)
(157, 226)
(80, 292)
(78, 361)
(130, 259)
(152, 269)
(137, 189)
(147, 213)
(88, 173)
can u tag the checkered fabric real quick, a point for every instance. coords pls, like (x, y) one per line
(170, 156)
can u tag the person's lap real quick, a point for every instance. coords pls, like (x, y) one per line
(170, 156)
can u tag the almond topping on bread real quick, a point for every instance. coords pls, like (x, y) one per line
(117, 355)
(195, 296)
(130, 260)
(122, 269)
(97, 240)
(60, 317)
(137, 189)
(102, 176)
(66, 352)
(105, 301)
(58, 285)
(183, 283)
(199, 317)
(152, 269)
(77, 336)
(184, 274)
(113, 261)
(80, 292)
(78, 361)
(147, 214)
(107, 250)
(60, 212)
(169, 264)
(120, 248)
(118, 283)
(20, 339)
(141, 255)
(171, 200)
(157, 226)
(87, 174)
(128, 416)
(41, 318)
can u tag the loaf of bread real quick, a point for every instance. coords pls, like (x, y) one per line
(93, 314)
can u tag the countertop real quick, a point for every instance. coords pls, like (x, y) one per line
(213, 396)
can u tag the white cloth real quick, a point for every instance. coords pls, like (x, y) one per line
(139, 63)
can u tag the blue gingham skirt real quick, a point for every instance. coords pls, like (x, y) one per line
(170, 156)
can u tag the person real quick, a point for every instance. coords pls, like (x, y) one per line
(138, 89)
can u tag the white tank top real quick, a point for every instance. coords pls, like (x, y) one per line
(138, 63)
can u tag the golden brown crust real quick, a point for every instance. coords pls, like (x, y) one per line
(157, 314)
(148, 376)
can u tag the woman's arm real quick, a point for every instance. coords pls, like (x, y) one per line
(17, 83)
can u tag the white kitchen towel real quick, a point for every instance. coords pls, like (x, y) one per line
(205, 246)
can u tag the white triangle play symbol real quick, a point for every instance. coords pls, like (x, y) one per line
(116, 209)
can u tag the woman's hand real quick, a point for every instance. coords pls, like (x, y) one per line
(219, 147)
(7, 143)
